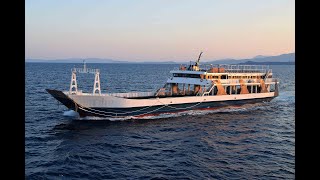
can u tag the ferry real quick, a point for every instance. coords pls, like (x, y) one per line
(190, 87)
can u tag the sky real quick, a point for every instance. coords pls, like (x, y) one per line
(158, 30)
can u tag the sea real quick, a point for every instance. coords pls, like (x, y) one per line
(248, 142)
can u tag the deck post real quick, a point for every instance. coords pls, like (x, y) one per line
(96, 85)
(73, 84)
(184, 91)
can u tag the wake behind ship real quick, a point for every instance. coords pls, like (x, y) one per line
(191, 87)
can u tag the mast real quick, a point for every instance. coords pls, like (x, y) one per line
(73, 83)
(197, 63)
(84, 66)
(96, 85)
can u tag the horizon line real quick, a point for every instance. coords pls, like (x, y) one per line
(77, 58)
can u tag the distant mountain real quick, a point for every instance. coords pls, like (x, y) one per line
(257, 59)
(76, 60)
(268, 63)
(93, 60)
(156, 62)
(229, 61)
(259, 56)
(280, 58)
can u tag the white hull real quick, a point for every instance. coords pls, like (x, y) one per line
(107, 101)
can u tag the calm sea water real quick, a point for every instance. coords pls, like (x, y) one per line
(250, 142)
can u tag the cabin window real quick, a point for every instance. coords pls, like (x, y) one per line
(186, 75)
(224, 77)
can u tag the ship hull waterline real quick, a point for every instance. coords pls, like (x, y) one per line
(154, 110)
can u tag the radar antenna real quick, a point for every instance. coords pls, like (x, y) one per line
(197, 63)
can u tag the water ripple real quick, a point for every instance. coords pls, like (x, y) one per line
(248, 142)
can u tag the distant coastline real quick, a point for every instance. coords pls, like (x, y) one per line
(267, 63)
(246, 63)
(283, 59)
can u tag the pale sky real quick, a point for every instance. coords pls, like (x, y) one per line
(158, 30)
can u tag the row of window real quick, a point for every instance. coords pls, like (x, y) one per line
(244, 77)
(187, 75)
(215, 77)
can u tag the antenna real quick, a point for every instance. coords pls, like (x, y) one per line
(73, 84)
(197, 63)
(84, 66)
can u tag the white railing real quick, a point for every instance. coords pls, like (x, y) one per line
(86, 70)
(207, 93)
(269, 80)
(228, 81)
(131, 94)
(236, 81)
(244, 68)
(232, 68)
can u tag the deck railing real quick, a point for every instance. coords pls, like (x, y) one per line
(236, 81)
(131, 94)
(87, 70)
(244, 68)
(230, 68)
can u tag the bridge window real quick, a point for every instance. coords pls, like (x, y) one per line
(186, 75)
